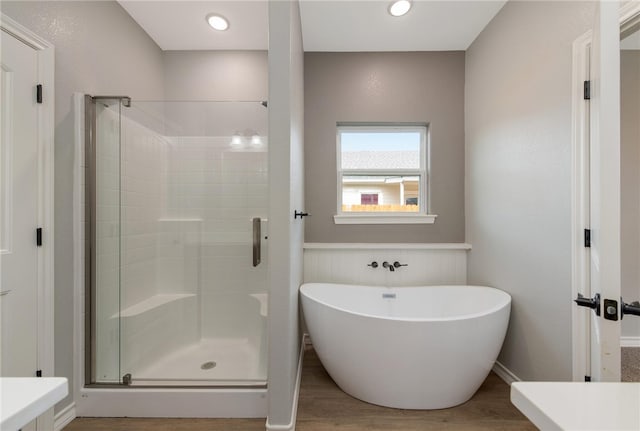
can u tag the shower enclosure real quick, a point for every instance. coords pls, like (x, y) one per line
(176, 243)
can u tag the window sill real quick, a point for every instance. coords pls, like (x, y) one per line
(384, 219)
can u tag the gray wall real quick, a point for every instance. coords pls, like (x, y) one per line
(630, 183)
(216, 75)
(99, 50)
(286, 235)
(518, 176)
(221, 76)
(385, 87)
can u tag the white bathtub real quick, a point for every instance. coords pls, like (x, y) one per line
(407, 347)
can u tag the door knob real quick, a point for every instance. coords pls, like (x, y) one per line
(632, 308)
(593, 303)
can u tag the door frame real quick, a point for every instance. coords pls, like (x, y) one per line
(581, 356)
(45, 133)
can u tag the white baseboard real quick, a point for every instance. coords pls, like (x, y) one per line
(629, 341)
(64, 417)
(291, 426)
(504, 373)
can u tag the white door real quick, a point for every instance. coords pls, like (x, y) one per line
(19, 209)
(630, 182)
(605, 192)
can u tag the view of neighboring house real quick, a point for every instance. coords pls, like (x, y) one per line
(383, 192)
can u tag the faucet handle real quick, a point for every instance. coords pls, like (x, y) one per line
(373, 264)
(397, 264)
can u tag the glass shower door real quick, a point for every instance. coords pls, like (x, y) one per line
(189, 306)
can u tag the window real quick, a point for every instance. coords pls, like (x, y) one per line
(382, 174)
(368, 198)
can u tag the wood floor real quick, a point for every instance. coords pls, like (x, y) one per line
(324, 407)
(630, 361)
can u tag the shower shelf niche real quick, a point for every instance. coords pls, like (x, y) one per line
(152, 303)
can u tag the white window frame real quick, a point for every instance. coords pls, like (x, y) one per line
(423, 215)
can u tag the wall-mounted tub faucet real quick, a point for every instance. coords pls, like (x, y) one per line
(392, 266)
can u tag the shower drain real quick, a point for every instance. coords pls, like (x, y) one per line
(208, 365)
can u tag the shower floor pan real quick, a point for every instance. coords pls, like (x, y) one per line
(211, 362)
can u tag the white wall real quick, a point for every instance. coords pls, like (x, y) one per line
(100, 49)
(518, 166)
(286, 183)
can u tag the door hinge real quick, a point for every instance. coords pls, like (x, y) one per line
(39, 93)
(39, 373)
(39, 237)
(587, 378)
(587, 237)
(587, 90)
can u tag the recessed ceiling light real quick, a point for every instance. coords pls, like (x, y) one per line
(218, 22)
(400, 7)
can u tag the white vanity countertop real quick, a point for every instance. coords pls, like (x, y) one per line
(579, 406)
(23, 399)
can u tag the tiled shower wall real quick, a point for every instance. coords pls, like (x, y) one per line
(143, 192)
(159, 282)
(224, 188)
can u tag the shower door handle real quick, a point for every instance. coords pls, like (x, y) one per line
(256, 241)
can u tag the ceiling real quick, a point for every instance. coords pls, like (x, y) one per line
(367, 26)
(182, 26)
(327, 25)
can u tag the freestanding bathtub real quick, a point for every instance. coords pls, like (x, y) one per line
(407, 347)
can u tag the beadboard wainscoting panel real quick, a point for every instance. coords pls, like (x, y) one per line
(430, 265)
